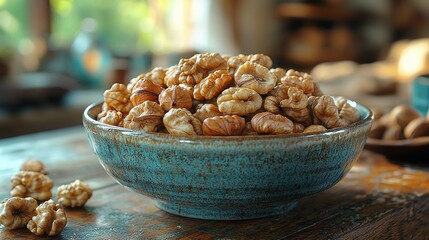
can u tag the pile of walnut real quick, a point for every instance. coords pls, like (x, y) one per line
(210, 94)
(30, 186)
(402, 122)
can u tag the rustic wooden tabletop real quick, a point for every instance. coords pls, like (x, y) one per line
(378, 199)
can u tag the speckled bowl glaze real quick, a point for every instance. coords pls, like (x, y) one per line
(226, 178)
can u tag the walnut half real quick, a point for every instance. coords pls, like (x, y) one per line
(15, 212)
(31, 184)
(50, 219)
(75, 194)
(33, 165)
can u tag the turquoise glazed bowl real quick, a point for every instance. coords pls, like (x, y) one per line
(226, 178)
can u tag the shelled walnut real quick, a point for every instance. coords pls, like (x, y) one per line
(118, 98)
(50, 219)
(269, 123)
(180, 121)
(207, 85)
(75, 194)
(31, 184)
(15, 212)
(146, 116)
(228, 125)
(33, 165)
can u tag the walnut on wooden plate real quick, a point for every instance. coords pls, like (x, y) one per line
(15, 212)
(75, 194)
(50, 219)
(31, 184)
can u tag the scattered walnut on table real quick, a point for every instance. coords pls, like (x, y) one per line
(212, 85)
(145, 90)
(33, 165)
(256, 77)
(118, 98)
(270, 123)
(207, 110)
(146, 117)
(50, 219)
(75, 194)
(31, 184)
(180, 121)
(175, 97)
(15, 212)
(239, 101)
(227, 125)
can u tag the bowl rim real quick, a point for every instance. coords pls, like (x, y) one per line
(103, 126)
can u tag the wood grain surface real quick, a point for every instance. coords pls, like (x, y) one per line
(378, 199)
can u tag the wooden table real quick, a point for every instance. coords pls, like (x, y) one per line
(377, 199)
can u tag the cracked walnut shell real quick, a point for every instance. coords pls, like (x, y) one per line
(180, 121)
(15, 212)
(256, 77)
(239, 101)
(270, 123)
(31, 184)
(212, 85)
(145, 117)
(227, 125)
(50, 219)
(75, 194)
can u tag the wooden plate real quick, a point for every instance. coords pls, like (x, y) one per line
(401, 149)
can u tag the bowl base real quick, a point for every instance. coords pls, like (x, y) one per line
(216, 213)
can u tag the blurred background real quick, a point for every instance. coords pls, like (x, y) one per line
(58, 56)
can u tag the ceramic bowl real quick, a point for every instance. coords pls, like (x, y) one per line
(234, 177)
